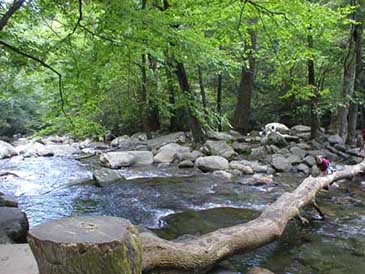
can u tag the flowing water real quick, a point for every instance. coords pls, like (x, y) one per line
(173, 204)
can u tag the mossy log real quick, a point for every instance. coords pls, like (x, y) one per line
(92, 245)
(201, 254)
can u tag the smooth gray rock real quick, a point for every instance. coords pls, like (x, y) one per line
(177, 137)
(245, 169)
(34, 149)
(299, 129)
(280, 163)
(276, 127)
(186, 164)
(167, 153)
(294, 159)
(7, 150)
(191, 156)
(117, 159)
(309, 160)
(219, 148)
(62, 149)
(242, 148)
(223, 174)
(219, 136)
(211, 163)
(335, 139)
(13, 224)
(275, 138)
(107, 176)
(7, 200)
(298, 151)
(303, 168)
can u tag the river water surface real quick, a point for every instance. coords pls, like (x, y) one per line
(172, 204)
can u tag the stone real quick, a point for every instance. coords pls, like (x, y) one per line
(186, 164)
(10, 262)
(177, 137)
(34, 149)
(298, 151)
(8, 200)
(294, 159)
(309, 160)
(276, 127)
(139, 136)
(119, 140)
(275, 138)
(223, 174)
(167, 153)
(259, 270)
(340, 147)
(219, 148)
(256, 166)
(304, 135)
(62, 150)
(219, 136)
(14, 224)
(242, 148)
(107, 176)
(303, 168)
(245, 169)
(117, 159)
(7, 150)
(259, 179)
(299, 129)
(280, 163)
(335, 139)
(191, 156)
(211, 163)
(258, 152)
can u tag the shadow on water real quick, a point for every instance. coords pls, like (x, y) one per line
(176, 205)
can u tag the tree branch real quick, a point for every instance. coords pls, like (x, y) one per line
(42, 63)
(4, 20)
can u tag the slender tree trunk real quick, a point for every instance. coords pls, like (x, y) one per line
(170, 88)
(202, 90)
(315, 98)
(197, 131)
(219, 101)
(144, 99)
(354, 108)
(242, 112)
(13, 8)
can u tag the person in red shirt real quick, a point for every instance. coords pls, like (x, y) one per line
(324, 165)
(363, 138)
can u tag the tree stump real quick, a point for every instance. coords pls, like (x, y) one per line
(87, 245)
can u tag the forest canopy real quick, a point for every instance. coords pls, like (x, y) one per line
(86, 67)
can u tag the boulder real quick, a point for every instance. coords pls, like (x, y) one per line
(304, 135)
(186, 164)
(117, 159)
(223, 174)
(167, 153)
(274, 138)
(243, 148)
(34, 149)
(220, 148)
(107, 176)
(309, 160)
(276, 127)
(303, 168)
(191, 156)
(14, 224)
(299, 129)
(177, 137)
(280, 163)
(119, 140)
(211, 163)
(258, 152)
(219, 136)
(245, 169)
(298, 151)
(7, 150)
(259, 270)
(139, 136)
(7, 200)
(335, 139)
(293, 159)
(62, 150)
(256, 166)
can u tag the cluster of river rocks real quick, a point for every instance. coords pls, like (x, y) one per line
(225, 154)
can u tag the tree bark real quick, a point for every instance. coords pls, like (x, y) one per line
(202, 90)
(197, 131)
(199, 255)
(94, 245)
(242, 112)
(315, 94)
(219, 101)
(13, 8)
(354, 108)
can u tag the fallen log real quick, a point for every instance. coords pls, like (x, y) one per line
(199, 255)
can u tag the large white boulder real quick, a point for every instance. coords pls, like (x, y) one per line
(211, 163)
(167, 153)
(7, 150)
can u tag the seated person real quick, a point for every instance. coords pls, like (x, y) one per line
(324, 165)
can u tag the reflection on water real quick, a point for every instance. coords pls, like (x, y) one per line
(177, 204)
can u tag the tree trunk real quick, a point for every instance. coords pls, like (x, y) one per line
(202, 90)
(348, 83)
(242, 112)
(197, 131)
(198, 256)
(144, 103)
(13, 8)
(219, 101)
(315, 94)
(354, 109)
(93, 245)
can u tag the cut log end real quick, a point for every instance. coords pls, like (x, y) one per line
(96, 244)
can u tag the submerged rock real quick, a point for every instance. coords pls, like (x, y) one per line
(106, 176)
(7, 200)
(211, 163)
